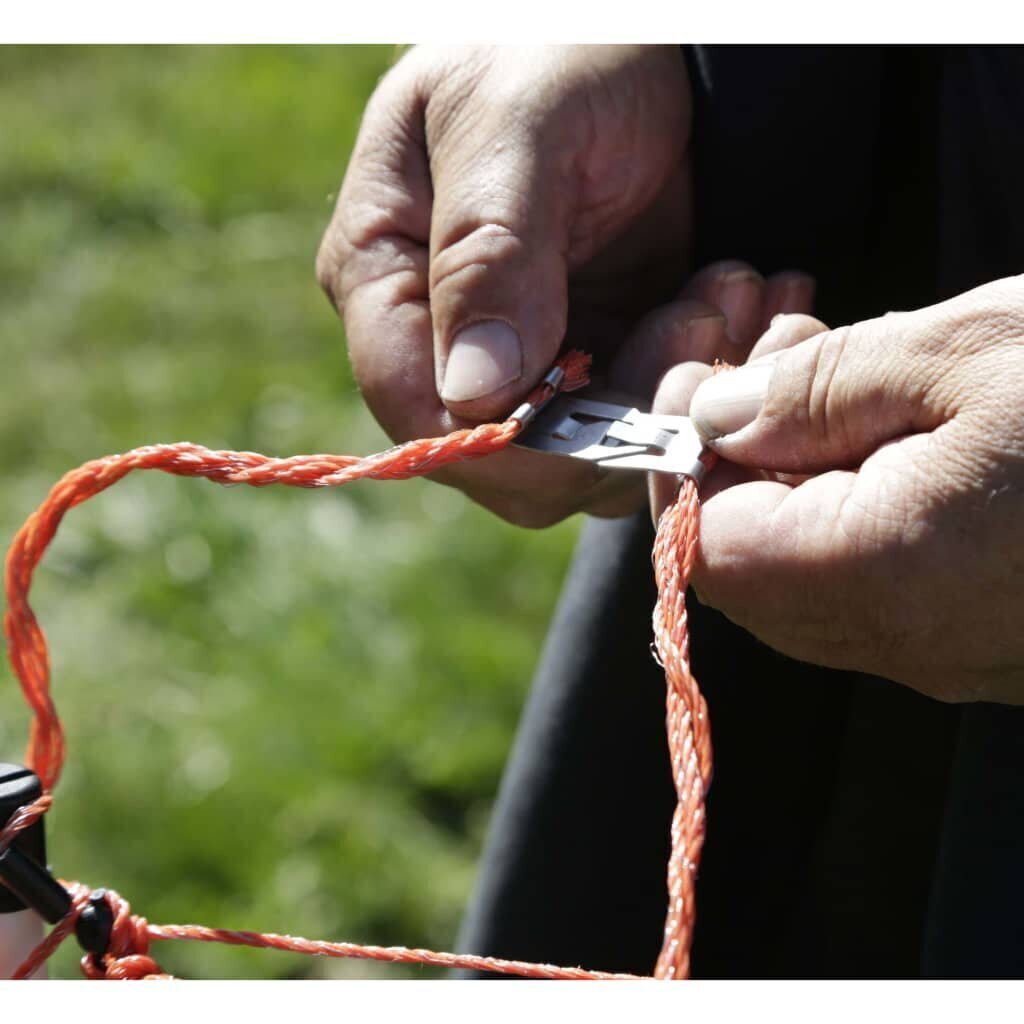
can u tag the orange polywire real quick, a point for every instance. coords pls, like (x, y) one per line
(688, 730)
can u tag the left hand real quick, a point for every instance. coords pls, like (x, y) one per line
(893, 543)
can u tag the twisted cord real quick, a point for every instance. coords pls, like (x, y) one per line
(689, 733)
(128, 957)
(26, 644)
(686, 719)
(23, 818)
(27, 647)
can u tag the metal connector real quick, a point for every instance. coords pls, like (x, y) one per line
(528, 412)
(617, 437)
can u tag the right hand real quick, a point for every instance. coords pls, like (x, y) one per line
(500, 202)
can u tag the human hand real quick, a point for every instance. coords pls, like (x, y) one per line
(500, 202)
(893, 542)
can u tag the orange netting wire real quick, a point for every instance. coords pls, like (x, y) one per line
(689, 737)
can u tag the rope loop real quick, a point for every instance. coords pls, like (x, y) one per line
(127, 954)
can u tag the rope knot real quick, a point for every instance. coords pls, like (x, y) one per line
(126, 958)
(126, 968)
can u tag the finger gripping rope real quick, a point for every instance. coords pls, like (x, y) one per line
(688, 733)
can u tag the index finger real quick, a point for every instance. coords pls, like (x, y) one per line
(373, 261)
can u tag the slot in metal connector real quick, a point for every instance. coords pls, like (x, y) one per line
(616, 437)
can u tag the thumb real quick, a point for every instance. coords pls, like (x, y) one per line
(827, 402)
(498, 272)
(498, 290)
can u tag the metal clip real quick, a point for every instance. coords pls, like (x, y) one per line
(617, 437)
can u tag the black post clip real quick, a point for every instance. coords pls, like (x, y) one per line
(27, 880)
(28, 883)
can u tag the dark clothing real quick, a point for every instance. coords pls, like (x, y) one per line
(855, 828)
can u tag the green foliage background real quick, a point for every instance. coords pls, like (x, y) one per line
(286, 711)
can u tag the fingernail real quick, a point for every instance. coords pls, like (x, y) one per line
(798, 293)
(484, 357)
(729, 401)
(702, 335)
(738, 290)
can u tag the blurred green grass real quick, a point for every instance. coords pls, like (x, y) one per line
(286, 711)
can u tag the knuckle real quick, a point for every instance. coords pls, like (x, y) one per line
(530, 516)
(816, 384)
(527, 491)
(395, 87)
(530, 512)
(828, 383)
(474, 249)
(455, 82)
(997, 325)
(327, 266)
(989, 313)
(825, 382)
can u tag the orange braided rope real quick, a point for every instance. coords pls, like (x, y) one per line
(687, 722)
(689, 731)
